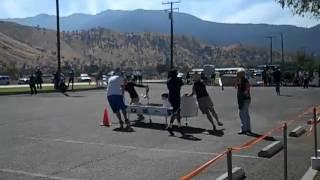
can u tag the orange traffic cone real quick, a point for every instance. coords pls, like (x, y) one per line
(105, 120)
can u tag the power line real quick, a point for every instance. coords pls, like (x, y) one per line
(171, 10)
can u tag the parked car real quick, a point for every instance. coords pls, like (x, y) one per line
(84, 78)
(4, 80)
(23, 80)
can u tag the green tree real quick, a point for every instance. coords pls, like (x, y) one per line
(306, 62)
(302, 7)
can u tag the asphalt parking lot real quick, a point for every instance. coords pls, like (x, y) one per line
(50, 136)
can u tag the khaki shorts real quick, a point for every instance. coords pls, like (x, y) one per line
(205, 104)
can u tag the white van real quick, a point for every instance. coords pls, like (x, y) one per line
(4, 80)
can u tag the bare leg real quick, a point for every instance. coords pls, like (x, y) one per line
(210, 120)
(171, 123)
(124, 113)
(215, 115)
(119, 118)
(173, 117)
(179, 123)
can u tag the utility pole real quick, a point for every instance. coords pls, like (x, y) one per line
(58, 38)
(171, 20)
(282, 54)
(270, 37)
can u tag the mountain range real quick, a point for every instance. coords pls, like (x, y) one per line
(23, 48)
(156, 21)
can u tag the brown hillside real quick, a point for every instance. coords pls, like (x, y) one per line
(23, 48)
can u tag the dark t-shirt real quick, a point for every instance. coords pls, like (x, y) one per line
(71, 74)
(242, 88)
(241, 95)
(130, 89)
(200, 89)
(277, 76)
(174, 86)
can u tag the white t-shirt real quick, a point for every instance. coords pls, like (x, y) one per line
(115, 85)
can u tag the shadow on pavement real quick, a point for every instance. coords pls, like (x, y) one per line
(190, 137)
(124, 130)
(268, 138)
(218, 132)
(285, 95)
(158, 126)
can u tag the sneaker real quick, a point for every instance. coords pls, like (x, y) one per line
(121, 125)
(220, 123)
(129, 128)
(241, 132)
(249, 133)
(170, 131)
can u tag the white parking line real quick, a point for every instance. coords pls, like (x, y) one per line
(37, 175)
(133, 147)
(203, 153)
(81, 142)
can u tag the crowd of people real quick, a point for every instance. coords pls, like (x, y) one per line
(117, 85)
(299, 78)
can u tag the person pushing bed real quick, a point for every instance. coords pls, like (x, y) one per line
(204, 100)
(129, 87)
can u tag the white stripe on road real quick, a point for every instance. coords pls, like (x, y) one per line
(36, 175)
(203, 153)
(82, 142)
(133, 147)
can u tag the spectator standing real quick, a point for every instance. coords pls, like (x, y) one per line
(39, 80)
(264, 77)
(277, 80)
(188, 77)
(99, 78)
(32, 84)
(306, 80)
(139, 77)
(244, 100)
(71, 78)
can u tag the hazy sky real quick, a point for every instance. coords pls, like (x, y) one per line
(229, 11)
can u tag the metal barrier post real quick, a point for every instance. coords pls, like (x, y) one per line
(229, 163)
(315, 132)
(285, 153)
